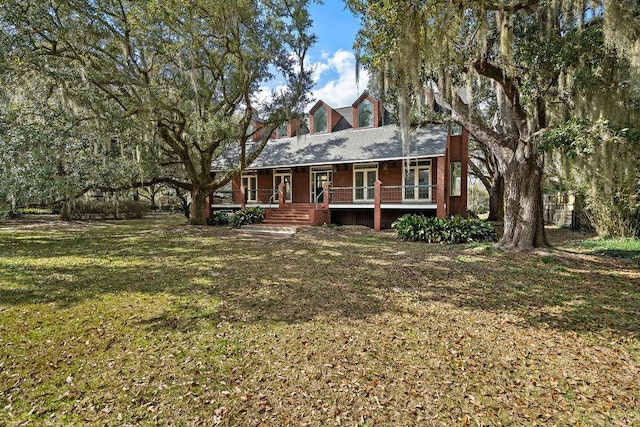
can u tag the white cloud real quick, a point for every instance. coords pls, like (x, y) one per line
(341, 89)
(335, 81)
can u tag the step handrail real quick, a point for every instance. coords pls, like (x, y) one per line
(318, 197)
(274, 194)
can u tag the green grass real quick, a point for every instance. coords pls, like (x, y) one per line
(155, 322)
(618, 248)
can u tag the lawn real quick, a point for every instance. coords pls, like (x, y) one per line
(155, 322)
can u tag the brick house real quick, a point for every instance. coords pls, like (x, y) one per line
(347, 166)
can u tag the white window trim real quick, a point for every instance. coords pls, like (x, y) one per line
(312, 179)
(283, 173)
(416, 165)
(250, 191)
(363, 167)
(452, 185)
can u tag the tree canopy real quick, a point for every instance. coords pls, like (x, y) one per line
(510, 71)
(180, 74)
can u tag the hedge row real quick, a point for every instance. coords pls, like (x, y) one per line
(93, 209)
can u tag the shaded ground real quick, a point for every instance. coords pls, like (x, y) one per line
(143, 322)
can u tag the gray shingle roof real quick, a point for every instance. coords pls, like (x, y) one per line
(345, 146)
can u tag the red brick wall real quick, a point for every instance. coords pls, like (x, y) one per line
(442, 188)
(342, 177)
(459, 152)
(265, 182)
(292, 126)
(235, 187)
(392, 175)
(300, 185)
(335, 117)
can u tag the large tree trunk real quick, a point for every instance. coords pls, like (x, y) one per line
(496, 198)
(523, 219)
(198, 209)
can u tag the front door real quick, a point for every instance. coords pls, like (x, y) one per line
(279, 177)
(317, 185)
(417, 183)
(250, 184)
(364, 181)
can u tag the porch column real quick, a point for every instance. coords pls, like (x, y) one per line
(281, 194)
(377, 215)
(325, 201)
(243, 197)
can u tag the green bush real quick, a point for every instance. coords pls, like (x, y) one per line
(250, 215)
(184, 208)
(220, 218)
(8, 214)
(93, 209)
(456, 229)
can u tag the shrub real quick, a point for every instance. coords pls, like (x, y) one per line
(35, 211)
(8, 214)
(455, 229)
(250, 215)
(220, 218)
(93, 209)
(184, 208)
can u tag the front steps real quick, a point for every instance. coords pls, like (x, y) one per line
(291, 214)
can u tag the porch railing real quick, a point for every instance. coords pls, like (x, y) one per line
(262, 195)
(389, 194)
(404, 194)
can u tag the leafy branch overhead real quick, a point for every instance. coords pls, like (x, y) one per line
(186, 72)
(510, 71)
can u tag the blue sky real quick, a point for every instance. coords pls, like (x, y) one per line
(332, 56)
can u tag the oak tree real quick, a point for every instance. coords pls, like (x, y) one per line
(546, 60)
(184, 73)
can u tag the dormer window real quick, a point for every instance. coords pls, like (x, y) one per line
(281, 131)
(365, 114)
(320, 120)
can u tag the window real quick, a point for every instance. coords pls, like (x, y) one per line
(281, 131)
(319, 176)
(365, 114)
(364, 179)
(282, 176)
(320, 120)
(456, 129)
(456, 178)
(417, 181)
(250, 183)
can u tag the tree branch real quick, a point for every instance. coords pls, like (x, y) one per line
(510, 88)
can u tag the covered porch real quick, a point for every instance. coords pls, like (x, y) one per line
(376, 206)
